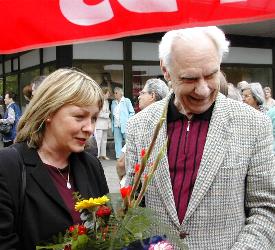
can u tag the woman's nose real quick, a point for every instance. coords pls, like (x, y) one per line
(89, 127)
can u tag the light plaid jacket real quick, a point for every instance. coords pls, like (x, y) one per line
(233, 201)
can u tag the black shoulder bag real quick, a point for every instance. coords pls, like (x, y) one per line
(21, 194)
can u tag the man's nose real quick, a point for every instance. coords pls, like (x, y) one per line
(202, 89)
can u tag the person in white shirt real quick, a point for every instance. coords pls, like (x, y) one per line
(121, 110)
(102, 125)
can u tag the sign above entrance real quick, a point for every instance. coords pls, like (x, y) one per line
(33, 24)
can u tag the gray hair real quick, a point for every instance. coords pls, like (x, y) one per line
(256, 91)
(215, 34)
(37, 81)
(158, 87)
(234, 93)
(118, 89)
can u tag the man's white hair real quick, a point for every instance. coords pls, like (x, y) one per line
(191, 35)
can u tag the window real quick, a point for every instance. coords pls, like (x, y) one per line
(106, 75)
(235, 74)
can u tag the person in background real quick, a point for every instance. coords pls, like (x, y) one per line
(271, 114)
(214, 186)
(51, 137)
(234, 93)
(102, 125)
(2, 111)
(241, 85)
(269, 101)
(154, 90)
(253, 95)
(223, 84)
(11, 116)
(121, 110)
(27, 92)
(36, 83)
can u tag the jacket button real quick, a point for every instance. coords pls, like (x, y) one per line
(183, 235)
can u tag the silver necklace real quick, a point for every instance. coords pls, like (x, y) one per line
(68, 184)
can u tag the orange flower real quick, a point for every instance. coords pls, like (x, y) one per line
(125, 191)
(137, 167)
(143, 152)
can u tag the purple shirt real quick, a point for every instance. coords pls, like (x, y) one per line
(66, 194)
(185, 148)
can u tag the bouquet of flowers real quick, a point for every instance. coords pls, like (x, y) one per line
(127, 226)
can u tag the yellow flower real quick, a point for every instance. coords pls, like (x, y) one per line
(91, 203)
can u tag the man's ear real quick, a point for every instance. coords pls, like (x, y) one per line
(165, 72)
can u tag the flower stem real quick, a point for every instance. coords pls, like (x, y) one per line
(148, 152)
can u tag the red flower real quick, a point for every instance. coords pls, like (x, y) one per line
(82, 230)
(71, 228)
(143, 152)
(125, 191)
(103, 211)
(137, 167)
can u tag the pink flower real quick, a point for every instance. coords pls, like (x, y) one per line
(162, 245)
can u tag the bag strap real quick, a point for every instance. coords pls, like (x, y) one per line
(22, 193)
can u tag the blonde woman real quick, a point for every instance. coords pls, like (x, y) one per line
(269, 101)
(51, 137)
(103, 123)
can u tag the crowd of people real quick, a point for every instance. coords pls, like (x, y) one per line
(214, 186)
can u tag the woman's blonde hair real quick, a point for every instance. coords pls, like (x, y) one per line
(64, 86)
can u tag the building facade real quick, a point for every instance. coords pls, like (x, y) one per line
(129, 62)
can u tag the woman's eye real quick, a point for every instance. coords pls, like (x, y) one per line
(78, 117)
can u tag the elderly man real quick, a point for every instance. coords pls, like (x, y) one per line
(215, 186)
(121, 111)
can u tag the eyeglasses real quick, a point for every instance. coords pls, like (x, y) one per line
(143, 92)
(246, 96)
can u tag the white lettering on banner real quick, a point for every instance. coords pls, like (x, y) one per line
(80, 13)
(149, 6)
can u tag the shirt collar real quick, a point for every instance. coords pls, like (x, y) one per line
(173, 114)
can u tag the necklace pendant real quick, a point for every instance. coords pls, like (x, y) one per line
(69, 185)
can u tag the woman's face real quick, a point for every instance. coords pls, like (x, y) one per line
(249, 99)
(267, 93)
(69, 129)
(145, 98)
(107, 95)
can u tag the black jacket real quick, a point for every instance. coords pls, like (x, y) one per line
(45, 214)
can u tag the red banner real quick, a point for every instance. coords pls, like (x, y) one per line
(32, 24)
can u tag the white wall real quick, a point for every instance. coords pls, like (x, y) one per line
(108, 50)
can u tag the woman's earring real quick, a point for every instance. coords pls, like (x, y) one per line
(48, 120)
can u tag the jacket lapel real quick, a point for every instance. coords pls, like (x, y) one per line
(214, 151)
(39, 173)
(162, 178)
